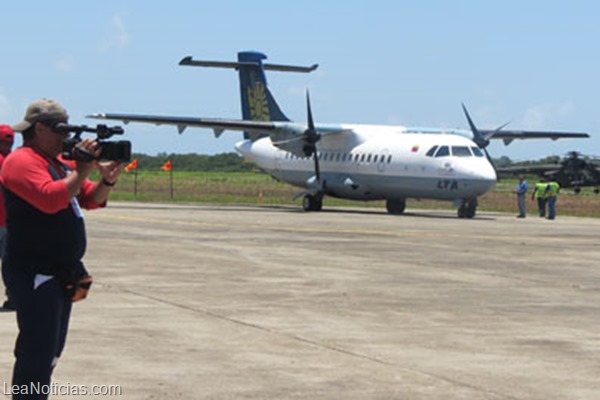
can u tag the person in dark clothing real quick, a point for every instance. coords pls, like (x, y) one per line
(521, 191)
(539, 194)
(46, 240)
(7, 139)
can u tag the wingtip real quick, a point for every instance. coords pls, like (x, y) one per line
(96, 116)
(185, 60)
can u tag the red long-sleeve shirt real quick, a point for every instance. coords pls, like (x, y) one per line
(46, 231)
(26, 173)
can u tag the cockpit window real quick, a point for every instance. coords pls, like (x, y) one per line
(477, 151)
(461, 151)
(443, 151)
(431, 151)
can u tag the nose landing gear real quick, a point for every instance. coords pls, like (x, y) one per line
(468, 208)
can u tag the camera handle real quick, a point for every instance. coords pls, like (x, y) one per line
(101, 130)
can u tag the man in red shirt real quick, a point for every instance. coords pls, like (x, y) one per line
(46, 241)
(7, 139)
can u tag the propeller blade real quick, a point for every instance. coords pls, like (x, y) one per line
(471, 124)
(491, 162)
(312, 137)
(478, 138)
(287, 141)
(498, 129)
(317, 168)
(311, 124)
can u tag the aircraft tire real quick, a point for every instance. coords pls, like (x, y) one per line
(312, 203)
(468, 208)
(395, 207)
(471, 208)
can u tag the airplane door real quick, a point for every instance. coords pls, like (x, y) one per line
(382, 160)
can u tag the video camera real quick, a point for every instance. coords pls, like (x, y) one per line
(110, 150)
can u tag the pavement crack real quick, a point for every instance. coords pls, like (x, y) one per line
(318, 344)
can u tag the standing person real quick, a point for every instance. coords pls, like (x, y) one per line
(46, 238)
(552, 196)
(521, 191)
(539, 193)
(7, 139)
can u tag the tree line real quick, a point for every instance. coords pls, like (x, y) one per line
(225, 162)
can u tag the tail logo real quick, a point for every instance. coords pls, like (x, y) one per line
(259, 108)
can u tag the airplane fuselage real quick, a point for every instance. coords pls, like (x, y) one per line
(378, 162)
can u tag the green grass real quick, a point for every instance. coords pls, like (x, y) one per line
(257, 188)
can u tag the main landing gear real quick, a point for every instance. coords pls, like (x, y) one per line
(467, 208)
(312, 202)
(395, 206)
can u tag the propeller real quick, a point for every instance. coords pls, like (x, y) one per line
(482, 141)
(308, 139)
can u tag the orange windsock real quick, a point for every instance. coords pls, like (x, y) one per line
(167, 166)
(131, 165)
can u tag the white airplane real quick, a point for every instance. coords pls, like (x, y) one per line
(359, 162)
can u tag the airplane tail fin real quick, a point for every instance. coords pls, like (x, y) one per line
(258, 104)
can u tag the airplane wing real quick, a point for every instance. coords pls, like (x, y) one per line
(509, 135)
(288, 136)
(217, 124)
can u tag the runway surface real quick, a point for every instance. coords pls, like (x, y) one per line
(232, 302)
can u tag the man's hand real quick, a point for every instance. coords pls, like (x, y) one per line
(110, 171)
(88, 147)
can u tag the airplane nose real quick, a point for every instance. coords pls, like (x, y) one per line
(488, 173)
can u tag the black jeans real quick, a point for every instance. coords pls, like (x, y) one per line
(43, 320)
(541, 206)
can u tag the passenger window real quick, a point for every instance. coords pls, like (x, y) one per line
(461, 151)
(389, 160)
(362, 158)
(369, 158)
(431, 151)
(477, 151)
(375, 158)
(443, 151)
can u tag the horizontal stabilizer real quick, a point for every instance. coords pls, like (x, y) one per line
(236, 65)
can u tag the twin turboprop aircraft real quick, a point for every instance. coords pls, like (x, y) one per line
(359, 162)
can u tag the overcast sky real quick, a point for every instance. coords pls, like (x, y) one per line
(535, 63)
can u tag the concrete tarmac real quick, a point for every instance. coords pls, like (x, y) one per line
(236, 302)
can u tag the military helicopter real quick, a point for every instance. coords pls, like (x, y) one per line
(574, 171)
